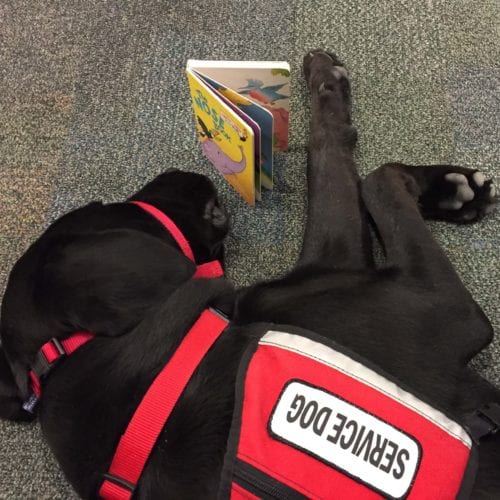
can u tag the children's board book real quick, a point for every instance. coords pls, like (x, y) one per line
(241, 113)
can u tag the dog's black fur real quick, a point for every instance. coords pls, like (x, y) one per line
(114, 271)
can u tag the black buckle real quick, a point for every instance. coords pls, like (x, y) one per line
(122, 483)
(484, 421)
(491, 412)
(41, 367)
(219, 312)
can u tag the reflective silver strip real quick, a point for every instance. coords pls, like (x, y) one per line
(328, 356)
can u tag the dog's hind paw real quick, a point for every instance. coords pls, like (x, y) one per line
(458, 194)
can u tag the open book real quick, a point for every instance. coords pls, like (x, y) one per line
(241, 113)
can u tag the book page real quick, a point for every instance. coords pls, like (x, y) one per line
(267, 85)
(226, 140)
(262, 116)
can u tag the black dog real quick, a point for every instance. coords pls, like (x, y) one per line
(113, 270)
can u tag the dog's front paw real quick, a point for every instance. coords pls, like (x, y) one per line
(460, 195)
(323, 70)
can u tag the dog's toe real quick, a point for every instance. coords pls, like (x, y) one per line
(478, 178)
(469, 194)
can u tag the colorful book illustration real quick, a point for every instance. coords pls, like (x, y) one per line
(241, 103)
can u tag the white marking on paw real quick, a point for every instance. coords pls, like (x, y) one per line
(493, 191)
(456, 178)
(323, 87)
(478, 178)
(451, 204)
(339, 72)
(464, 193)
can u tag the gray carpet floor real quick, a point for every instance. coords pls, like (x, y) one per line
(93, 103)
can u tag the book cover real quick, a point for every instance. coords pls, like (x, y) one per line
(262, 117)
(226, 139)
(251, 98)
(256, 134)
(265, 83)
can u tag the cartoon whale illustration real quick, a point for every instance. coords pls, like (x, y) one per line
(224, 164)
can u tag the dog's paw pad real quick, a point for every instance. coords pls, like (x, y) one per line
(463, 193)
(456, 178)
(478, 178)
(468, 196)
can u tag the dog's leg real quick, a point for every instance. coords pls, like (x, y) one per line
(399, 197)
(337, 230)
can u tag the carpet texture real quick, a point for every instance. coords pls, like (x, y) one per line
(93, 103)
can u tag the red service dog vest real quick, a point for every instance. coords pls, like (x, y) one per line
(314, 420)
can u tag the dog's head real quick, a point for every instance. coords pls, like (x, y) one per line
(191, 201)
(100, 269)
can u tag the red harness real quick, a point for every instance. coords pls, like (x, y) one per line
(155, 408)
(211, 269)
(50, 353)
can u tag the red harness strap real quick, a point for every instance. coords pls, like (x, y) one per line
(46, 358)
(155, 408)
(211, 269)
(54, 349)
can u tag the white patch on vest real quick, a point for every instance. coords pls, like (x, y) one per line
(350, 439)
(328, 356)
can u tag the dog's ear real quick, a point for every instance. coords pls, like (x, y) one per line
(104, 282)
(10, 397)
